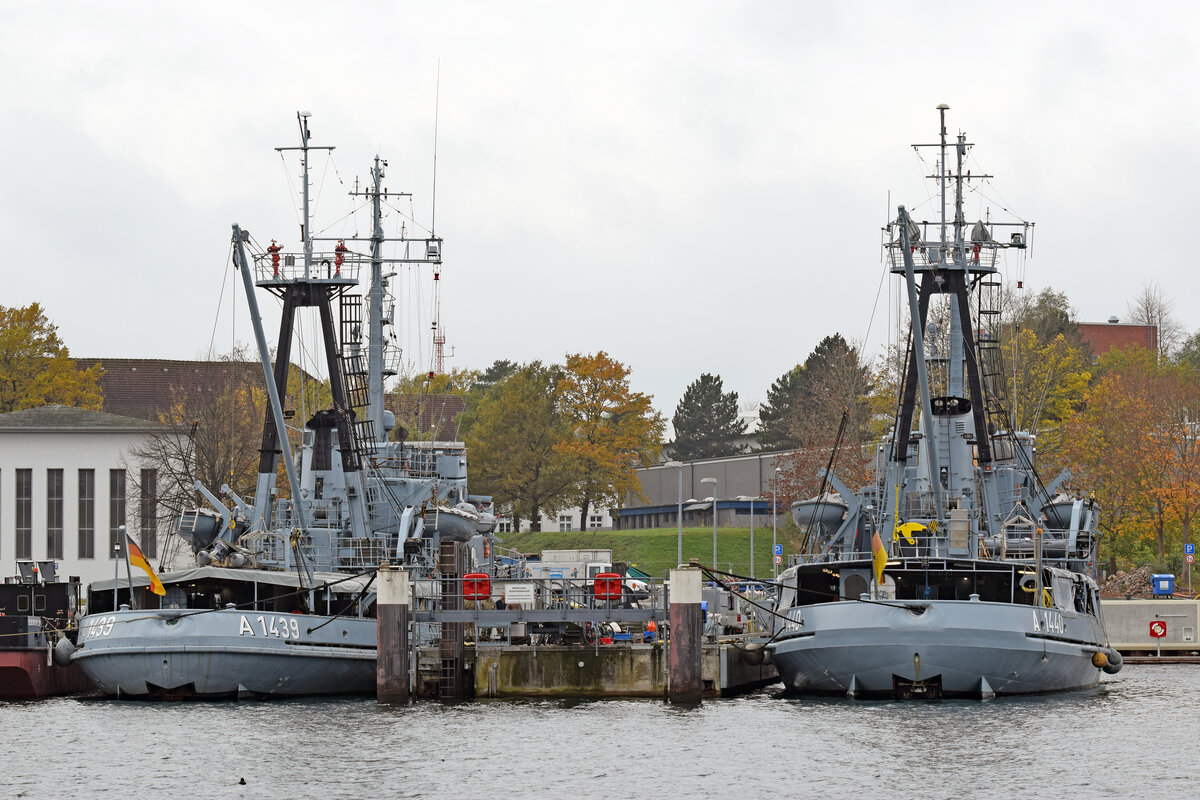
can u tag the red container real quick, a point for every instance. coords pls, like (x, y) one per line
(477, 586)
(607, 586)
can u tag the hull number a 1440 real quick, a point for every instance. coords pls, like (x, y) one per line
(277, 627)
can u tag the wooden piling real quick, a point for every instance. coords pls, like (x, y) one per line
(683, 654)
(391, 676)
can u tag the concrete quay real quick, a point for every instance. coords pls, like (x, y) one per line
(638, 670)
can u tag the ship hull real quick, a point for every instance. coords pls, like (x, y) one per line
(915, 649)
(27, 674)
(180, 655)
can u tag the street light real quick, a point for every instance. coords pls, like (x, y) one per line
(713, 481)
(679, 514)
(774, 524)
(752, 500)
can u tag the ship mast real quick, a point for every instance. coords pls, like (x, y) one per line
(375, 309)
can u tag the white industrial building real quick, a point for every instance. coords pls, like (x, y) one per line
(67, 484)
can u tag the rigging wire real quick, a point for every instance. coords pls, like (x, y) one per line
(220, 299)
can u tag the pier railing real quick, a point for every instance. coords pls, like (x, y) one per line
(928, 254)
(502, 610)
(280, 269)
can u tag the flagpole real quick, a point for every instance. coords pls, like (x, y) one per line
(116, 572)
(128, 569)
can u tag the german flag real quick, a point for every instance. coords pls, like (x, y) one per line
(138, 560)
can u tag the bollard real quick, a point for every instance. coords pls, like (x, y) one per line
(683, 652)
(391, 664)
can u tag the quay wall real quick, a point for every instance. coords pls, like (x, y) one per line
(637, 670)
(1127, 624)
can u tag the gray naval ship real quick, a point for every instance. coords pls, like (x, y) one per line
(281, 599)
(957, 572)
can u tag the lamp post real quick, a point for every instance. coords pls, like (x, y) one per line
(774, 524)
(713, 481)
(752, 499)
(679, 513)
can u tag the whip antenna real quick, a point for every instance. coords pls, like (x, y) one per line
(437, 91)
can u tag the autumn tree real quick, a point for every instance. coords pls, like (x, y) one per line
(35, 367)
(706, 420)
(1048, 381)
(614, 430)
(212, 432)
(515, 444)
(1181, 436)
(1117, 450)
(417, 393)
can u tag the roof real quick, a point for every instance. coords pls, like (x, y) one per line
(143, 387)
(60, 418)
(437, 414)
(341, 582)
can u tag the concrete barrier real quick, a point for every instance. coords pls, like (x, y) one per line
(1127, 624)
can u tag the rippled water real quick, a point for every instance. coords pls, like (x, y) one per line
(1127, 738)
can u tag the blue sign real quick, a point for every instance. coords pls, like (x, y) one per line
(779, 549)
(1189, 549)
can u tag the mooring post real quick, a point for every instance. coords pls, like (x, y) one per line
(683, 652)
(391, 676)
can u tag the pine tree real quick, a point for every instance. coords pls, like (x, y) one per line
(706, 420)
(775, 415)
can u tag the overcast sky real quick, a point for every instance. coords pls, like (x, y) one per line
(691, 187)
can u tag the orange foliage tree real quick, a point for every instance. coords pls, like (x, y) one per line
(1125, 444)
(35, 367)
(614, 430)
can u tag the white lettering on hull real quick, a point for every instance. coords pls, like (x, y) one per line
(270, 627)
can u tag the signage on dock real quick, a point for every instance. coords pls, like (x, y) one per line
(1158, 628)
(519, 594)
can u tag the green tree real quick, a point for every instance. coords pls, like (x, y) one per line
(775, 416)
(831, 422)
(706, 420)
(35, 367)
(1047, 315)
(500, 369)
(833, 380)
(515, 444)
(614, 430)
(1189, 351)
(484, 383)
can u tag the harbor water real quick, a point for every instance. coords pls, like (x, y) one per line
(1129, 738)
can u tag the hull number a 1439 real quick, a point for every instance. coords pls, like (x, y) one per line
(277, 627)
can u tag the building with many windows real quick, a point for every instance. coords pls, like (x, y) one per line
(67, 487)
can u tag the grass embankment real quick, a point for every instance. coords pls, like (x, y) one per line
(653, 550)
